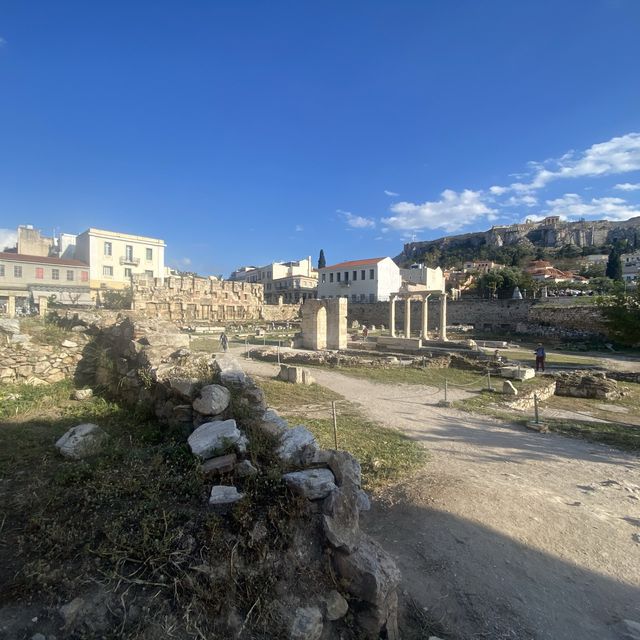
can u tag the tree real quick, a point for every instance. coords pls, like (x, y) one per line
(122, 299)
(622, 315)
(322, 263)
(614, 264)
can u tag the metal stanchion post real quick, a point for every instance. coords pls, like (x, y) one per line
(445, 390)
(535, 407)
(278, 351)
(489, 380)
(246, 348)
(335, 423)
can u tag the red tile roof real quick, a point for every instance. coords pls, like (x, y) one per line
(21, 257)
(355, 263)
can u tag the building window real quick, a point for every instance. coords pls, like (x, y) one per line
(346, 276)
(338, 276)
(331, 277)
(69, 274)
(362, 274)
(128, 253)
(371, 276)
(268, 286)
(107, 271)
(355, 275)
(84, 276)
(354, 297)
(363, 297)
(39, 273)
(372, 297)
(55, 274)
(108, 249)
(1, 271)
(127, 272)
(149, 274)
(17, 272)
(324, 278)
(149, 254)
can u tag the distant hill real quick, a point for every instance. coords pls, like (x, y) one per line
(514, 244)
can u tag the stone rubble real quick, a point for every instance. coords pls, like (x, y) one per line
(313, 484)
(81, 441)
(216, 438)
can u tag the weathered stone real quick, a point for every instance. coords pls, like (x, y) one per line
(298, 446)
(216, 438)
(186, 387)
(9, 325)
(213, 400)
(313, 484)
(340, 520)
(19, 339)
(219, 465)
(581, 384)
(223, 497)
(245, 469)
(82, 394)
(81, 441)
(517, 372)
(38, 636)
(335, 605)
(273, 423)
(230, 371)
(183, 413)
(362, 501)
(69, 344)
(72, 610)
(508, 388)
(369, 572)
(307, 624)
(346, 469)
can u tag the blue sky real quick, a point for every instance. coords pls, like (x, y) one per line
(243, 132)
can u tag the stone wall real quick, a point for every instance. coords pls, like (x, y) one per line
(496, 316)
(24, 361)
(190, 299)
(280, 312)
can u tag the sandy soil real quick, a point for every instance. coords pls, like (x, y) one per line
(505, 533)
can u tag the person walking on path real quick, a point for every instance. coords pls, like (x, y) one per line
(224, 341)
(365, 333)
(540, 356)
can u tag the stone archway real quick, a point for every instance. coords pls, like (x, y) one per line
(324, 324)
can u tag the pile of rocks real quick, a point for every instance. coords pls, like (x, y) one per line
(587, 384)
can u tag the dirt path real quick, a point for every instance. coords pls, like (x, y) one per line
(506, 533)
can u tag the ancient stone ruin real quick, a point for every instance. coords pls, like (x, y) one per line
(324, 324)
(334, 580)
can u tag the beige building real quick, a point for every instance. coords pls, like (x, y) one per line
(290, 282)
(114, 257)
(25, 279)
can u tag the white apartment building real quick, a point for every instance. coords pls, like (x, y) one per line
(369, 280)
(114, 257)
(292, 281)
(432, 279)
(630, 266)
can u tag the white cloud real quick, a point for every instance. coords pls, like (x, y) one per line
(453, 211)
(391, 193)
(516, 201)
(498, 191)
(185, 262)
(299, 228)
(8, 239)
(571, 206)
(357, 222)
(615, 156)
(627, 186)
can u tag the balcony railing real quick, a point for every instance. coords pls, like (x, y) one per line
(129, 260)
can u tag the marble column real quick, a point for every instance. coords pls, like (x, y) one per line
(443, 317)
(392, 316)
(425, 318)
(407, 318)
(11, 307)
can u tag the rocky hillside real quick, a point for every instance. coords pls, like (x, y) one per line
(502, 243)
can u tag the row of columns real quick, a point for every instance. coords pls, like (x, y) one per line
(424, 333)
(11, 306)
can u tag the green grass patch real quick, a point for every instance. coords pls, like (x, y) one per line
(44, 331)
(553, 357)
(386, 455)
(614, 435)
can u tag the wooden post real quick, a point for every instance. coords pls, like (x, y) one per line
(445, 390)
(535, 407)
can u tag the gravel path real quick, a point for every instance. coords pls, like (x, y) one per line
(506, 533)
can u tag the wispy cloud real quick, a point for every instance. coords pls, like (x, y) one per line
(357, 222)
(452, 212)
(299, 228)
(572, 206)
(8, 239)
(627, 186)
(391, 193)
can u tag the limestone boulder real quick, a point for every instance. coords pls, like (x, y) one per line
(219, 465)
(229, 371)
(340, 520)
(298, 446)
(273, 423)
(307, 624)
(213, 400)
(223, 497)
(9, 326)
(184, 386)
(581, 384)
(313, 484)
(216, 438)
(245, 469)
(81, 441)
(335, 605)
(517, 372)
(82, 394)
(508, 389)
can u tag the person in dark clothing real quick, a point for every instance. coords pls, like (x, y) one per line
(224, 341)
(540, 356)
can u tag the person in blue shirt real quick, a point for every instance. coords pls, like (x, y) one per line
(540, 356)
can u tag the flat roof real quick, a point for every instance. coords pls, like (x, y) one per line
(104, 232)
(355, 263)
